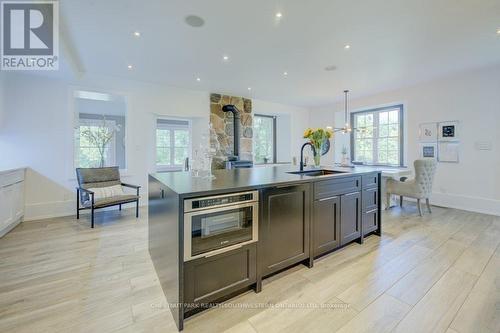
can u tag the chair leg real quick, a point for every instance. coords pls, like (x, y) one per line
(388, 201)
(137, 209)
(77, 204)
(400, 201)
(428, 205)
(419, 207)
(92, 217)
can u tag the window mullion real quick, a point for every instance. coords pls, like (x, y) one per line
(172, 149)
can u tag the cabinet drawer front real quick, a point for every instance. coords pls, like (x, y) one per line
(12, 177)
(209, 279)
(328, 188)
(370, 221)
(370, 199)
(370, 180)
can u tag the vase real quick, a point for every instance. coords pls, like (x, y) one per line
(317, 158)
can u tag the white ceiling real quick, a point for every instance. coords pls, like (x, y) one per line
(393, 43)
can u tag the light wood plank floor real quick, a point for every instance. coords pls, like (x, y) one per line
(439, 273)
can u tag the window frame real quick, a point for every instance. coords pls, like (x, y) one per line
(275, 154)
(111, 144)
(401, 119)
(172, 128)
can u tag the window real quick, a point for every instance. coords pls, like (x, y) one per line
(172, 143)
(99, 130)
(264, 145)
(378, 136)
(96, 140)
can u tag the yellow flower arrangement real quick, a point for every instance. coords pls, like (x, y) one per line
(318, 137)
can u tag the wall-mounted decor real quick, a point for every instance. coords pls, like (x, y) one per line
(448, 131)
(222, 138)
(448, 151)
(428, 132)
(428, 150)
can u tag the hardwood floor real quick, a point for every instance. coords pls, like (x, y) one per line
(439, 273)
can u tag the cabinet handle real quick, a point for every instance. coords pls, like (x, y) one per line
(372, 211)
(226, 249)
(349, 194)
(329, 198)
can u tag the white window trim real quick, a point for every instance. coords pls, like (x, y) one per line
(111, 144)
(403, 125)
(165, 168)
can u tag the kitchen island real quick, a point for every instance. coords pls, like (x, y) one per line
(212, 239)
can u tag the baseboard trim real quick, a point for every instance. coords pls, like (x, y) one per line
(472, 204)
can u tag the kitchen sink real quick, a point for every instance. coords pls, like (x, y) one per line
(315, 173)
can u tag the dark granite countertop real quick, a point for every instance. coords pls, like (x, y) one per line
(185, 185)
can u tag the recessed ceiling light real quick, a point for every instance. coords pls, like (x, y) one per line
(347, 47)
(285, 73)
(198, 79)
(249, 88)
(130, 66)
(279, 15)
(194, 21)
(330, 68)
(225, 58)
(137, 34)
(498, 31)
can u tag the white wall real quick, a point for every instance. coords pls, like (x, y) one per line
(2, 100)
(471, 97)
(38, 131)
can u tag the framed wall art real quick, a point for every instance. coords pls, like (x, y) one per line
(428, 132)
(448, 131)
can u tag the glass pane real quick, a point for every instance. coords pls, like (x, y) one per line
(382, 156)
(382, 144)
(369, 119)
(263, 145)
(163, 156)
(393, 144)
(383, 118)
(211, 231)
(162, 138)
(383, 131)
(91, 158)
(393, 157)
(394, 130)
(361, 121)
(180, 155)
(181, 138)
(393, 117)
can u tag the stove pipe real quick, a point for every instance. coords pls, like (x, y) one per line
(236, 127)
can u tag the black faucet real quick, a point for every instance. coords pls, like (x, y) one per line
(302, 154)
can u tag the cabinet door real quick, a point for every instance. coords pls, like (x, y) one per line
(18, 200)
(210, 279)
(350, 217)
(283, 228)
(326, 225)
(6, 202)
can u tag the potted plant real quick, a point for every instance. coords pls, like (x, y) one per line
(318, 139)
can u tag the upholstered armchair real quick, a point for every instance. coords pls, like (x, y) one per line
(100, 188)
(418, 188)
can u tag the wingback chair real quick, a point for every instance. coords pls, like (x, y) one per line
(418, 188)
(107, 182)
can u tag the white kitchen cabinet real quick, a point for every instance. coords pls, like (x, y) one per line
(11, 199)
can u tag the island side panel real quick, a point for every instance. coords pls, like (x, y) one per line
(165, 244)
